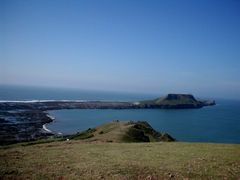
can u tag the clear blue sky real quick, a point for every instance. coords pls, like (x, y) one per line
(126, 45)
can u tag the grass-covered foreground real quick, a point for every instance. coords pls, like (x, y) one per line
(75, 159)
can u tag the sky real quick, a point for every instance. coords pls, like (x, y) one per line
(143, 46)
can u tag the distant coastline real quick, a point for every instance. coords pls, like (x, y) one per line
(171, 101)
(35, 116)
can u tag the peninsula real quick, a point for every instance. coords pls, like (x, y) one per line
(171, 101)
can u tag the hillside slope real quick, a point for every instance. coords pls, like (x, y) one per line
(122, 131)
(78, 160)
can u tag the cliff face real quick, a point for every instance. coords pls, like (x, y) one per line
(177, 99)
(180, 97)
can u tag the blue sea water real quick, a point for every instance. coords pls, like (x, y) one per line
(40, 93)
(220, 123)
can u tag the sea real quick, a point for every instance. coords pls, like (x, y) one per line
(215, 124)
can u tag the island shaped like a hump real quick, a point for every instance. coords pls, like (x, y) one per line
(176, 101)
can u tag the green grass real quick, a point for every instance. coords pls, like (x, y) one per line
(89, 155)
(83, 135)
(135, 135)
(120, 131)
(113, 131)
(108, 132)
(81, 160)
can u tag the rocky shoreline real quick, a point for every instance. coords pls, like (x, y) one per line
(23, 125)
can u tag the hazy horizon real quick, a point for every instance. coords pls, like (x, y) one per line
(150, 47)
(7, 90)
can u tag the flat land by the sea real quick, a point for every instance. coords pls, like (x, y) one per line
(75, 159)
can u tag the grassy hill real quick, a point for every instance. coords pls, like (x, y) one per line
(160, 160)
(122, 131)
(102, 153)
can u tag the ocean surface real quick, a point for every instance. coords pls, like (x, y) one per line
(220, 123)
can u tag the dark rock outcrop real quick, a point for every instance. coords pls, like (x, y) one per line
(18, 126)
(141, 131)
(166, 137)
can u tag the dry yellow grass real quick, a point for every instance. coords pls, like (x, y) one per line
(79, 160)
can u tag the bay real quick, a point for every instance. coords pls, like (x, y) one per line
(220, 123)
